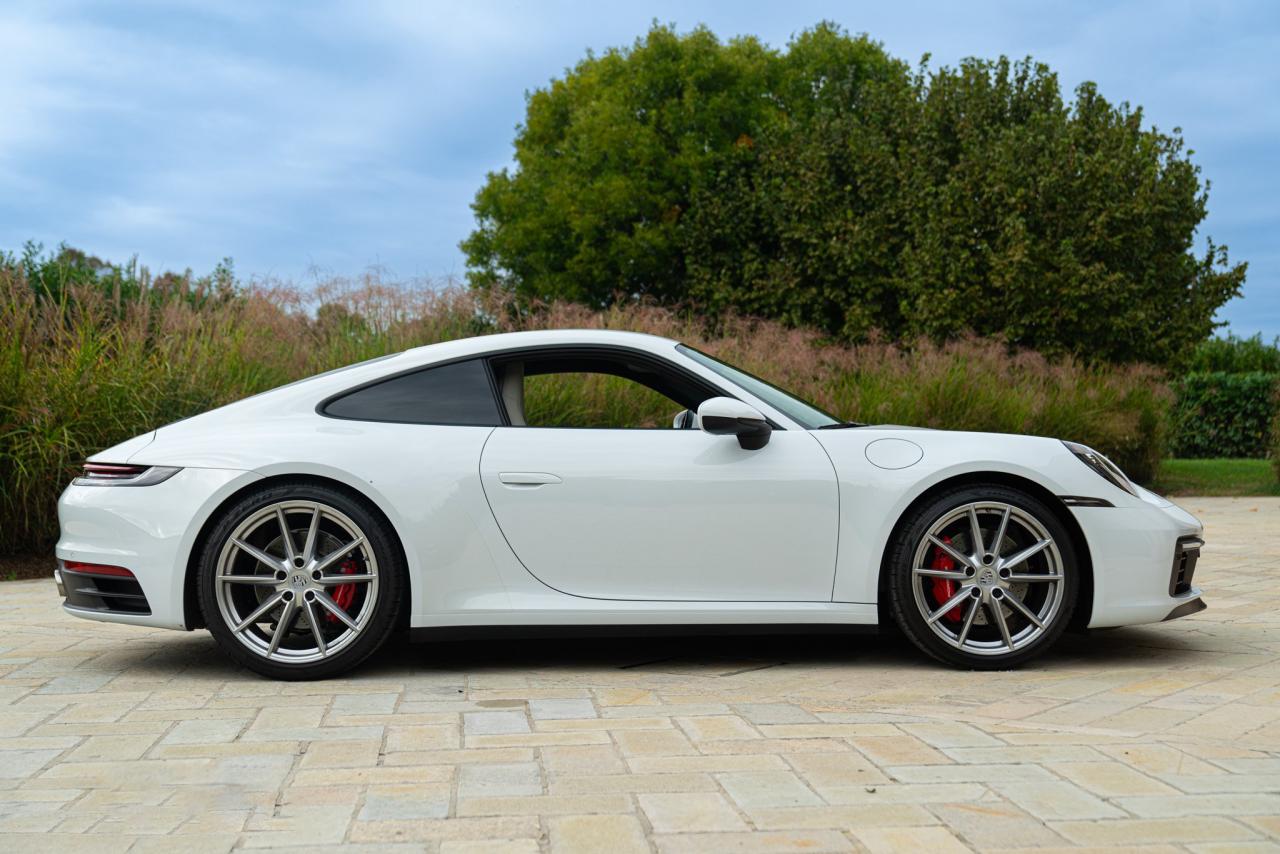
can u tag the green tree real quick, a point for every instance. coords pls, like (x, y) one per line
(611, 156)
(830, 185)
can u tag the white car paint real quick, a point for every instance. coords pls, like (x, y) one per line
(628, 527)
(675, 515)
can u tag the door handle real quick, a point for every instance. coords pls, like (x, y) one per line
(527, 479)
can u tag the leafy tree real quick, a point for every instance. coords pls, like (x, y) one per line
(611, 156)
(830, 185)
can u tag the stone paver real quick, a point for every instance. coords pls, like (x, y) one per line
(1158, 738)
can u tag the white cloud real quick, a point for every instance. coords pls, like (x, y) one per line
(344, 133)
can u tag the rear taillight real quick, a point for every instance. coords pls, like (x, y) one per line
(120, 474)
(81, 568)
(112, 471)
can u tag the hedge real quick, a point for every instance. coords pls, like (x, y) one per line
(1275, 433)
(1221, 414)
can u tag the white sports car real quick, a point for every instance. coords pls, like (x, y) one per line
(304, 525)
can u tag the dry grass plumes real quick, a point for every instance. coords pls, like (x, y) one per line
(85, 370)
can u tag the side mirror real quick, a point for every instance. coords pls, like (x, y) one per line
(724, 416)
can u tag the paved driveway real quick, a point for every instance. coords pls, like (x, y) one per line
(121, 739)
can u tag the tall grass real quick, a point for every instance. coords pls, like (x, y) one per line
(85, 367)
(964, 384)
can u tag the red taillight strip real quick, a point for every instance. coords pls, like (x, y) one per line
(117, 474)
(112, 470)
(95, 569)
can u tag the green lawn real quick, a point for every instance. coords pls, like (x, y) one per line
(1217, 477)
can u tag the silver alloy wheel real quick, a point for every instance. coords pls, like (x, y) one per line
(275, 582)
(1005, 583)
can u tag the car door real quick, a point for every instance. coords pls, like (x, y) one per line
(666, 514)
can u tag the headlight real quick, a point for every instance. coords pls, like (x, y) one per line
(1102, 466)
(112, 474)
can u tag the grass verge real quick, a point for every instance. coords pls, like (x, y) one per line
(1217, 477)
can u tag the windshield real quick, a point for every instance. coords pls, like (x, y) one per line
(805, 414)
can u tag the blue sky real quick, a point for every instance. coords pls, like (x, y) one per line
(303, 137)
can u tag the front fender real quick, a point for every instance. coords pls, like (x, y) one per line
(874, 499)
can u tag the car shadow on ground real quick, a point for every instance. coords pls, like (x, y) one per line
(734, 654)
(195, 655)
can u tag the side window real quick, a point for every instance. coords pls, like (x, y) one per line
(603, 388)
(459, 394)
(585, 399)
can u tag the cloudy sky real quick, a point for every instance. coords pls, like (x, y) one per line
(297, 137)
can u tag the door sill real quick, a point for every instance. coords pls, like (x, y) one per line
(428, 634)
(587, 612)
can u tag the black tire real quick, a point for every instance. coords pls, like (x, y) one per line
(377, 625)
(910, 596)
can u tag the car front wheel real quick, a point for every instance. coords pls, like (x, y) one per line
(983, 577)
(300, 581)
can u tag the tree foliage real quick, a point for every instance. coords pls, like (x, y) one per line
(612, 156)
(831, 185)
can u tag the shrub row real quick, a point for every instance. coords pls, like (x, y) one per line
(83, 367)
(1228, 400)
(1221, 414)
(1275, 437)
(1235, 355)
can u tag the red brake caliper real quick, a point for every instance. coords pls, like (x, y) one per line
(343, 594)
(943, 588)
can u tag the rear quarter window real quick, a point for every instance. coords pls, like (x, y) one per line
(459, 394)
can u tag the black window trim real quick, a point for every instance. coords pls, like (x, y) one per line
(587, 350)
(536, 349)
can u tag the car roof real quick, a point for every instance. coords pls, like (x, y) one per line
(304, 394)
(483, 344)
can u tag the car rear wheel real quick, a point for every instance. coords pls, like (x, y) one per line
(300, 581)
(983, 577)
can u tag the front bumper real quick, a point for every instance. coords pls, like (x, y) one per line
(148, 530)
(1144, 558)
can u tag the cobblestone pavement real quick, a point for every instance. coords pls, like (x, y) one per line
(1156, 738)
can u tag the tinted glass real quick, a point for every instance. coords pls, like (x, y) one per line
(451, 394)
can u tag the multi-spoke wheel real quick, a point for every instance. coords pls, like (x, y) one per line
(300, 582)
(984, 576)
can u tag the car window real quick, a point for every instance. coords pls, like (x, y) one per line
(458, 393)
(802, 412)
(587, 399)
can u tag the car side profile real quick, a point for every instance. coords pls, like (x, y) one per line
(431, 489)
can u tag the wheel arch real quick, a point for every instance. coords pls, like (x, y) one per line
(192, 616)
(1084, 603)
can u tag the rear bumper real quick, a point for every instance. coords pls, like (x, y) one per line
(1144, 556)
(148, 530)
(86, 590)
